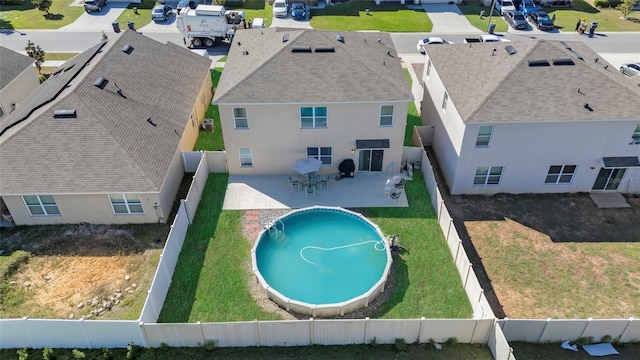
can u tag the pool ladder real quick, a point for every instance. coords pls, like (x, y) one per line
(272, 224)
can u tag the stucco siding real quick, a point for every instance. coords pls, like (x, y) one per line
(277, 140)
(526, 151)
(18, 89)
(89, 208)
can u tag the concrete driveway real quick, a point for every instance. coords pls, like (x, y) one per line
(98, 20)
(447, 18)
(291, 23)
(168, 26)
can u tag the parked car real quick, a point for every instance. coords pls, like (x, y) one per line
(516, 20)
(632, 69)
(299, 11)
(541, 20)
(527, 7)
(502, 6)
(94, 5)
(280, 8)
(160, 13)
(429, 41)
(183, 4)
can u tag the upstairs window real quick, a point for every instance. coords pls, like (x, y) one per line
(240, 118)
(313, 117)
(484, 136)
(41, 205)
(386, 115)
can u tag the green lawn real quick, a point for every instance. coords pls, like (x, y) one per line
(608, 19)
(141, 16)
(387, 17)
(210, 280)
(212, 140)
(256, 9)
(26, 16)
(59, 56)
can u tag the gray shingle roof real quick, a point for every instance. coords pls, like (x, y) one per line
(488, 86)
(109, 146)
(11, 65)
(261, 68)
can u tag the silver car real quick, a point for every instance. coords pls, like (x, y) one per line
(632, 69)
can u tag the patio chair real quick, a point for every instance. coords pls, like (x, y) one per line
(395, 195)
(294, 182)
(400, 184)
(324, 181)
(310, 189)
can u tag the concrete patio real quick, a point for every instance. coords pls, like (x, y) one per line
(275, 192)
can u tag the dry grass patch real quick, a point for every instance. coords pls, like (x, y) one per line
(535, 277)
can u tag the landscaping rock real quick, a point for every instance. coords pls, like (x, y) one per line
(80, 306)
(127, 277)
(27, 284)
(47, 277)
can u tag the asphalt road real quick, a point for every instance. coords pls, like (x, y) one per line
(617, 48)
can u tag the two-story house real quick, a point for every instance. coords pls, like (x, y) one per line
(291, 94)
(17, 80)
(531, 117)
(101, 141)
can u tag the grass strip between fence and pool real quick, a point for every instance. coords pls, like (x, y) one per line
(210, 282)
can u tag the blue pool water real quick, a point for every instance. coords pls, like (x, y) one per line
(323, 256)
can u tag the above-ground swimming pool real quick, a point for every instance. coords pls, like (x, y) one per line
(321, 261)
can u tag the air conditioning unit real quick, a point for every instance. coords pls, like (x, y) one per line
(635, 141)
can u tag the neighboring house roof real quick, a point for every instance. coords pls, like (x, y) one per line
(488, 85)
(116, 143)
(50, 89)
(12, 64)
(263, 68)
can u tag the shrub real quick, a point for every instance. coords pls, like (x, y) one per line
(132, 351)
(107, 354)
(584, 341)
(22, 354)
(18, 258)
(601, 3)
(452, 341)
(77, 354)
(606, 338)
(47, 354)
(373, 342)
(401, 345)
(210, 345)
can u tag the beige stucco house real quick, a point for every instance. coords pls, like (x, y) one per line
(291, 94)
(17, 80)
(531, 117)
(101, 140)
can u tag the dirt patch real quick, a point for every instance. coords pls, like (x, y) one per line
(74, 271)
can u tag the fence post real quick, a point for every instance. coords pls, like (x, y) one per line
(86, 337)
(586, 326)
(184, 203)
(455, 258)
(446, 240)
(366, 330)
(544, 329)
(625, 330)
(466, 278)
(26, 327)
(439, 210)
(257, 330)
(194, 181)
(312, 335)
(144, 335)
(420, 329)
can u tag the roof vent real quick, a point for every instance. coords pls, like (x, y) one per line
(340, 38)
(325, 49)
(64, 113)
(127, 49)
(538, 62)
(562, 61)
(285, 38)
(510, 49)
(101, 82)
(301, 49)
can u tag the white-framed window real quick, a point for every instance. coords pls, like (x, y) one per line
(428, 67)
(445, 99)
(240, 118)
(636, 135)
(41, 205)
(126, 204)
(484, 136)
(560, 174)
(386, 115)
(488, 175)
(246, 157)
(313, 117)
(322, 153)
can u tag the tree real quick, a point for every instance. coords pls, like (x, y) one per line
(34, 51)
(42, 5)
(625, 7)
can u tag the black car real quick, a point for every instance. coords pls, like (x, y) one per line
(516, 20)
(94, 5)
(542, 20)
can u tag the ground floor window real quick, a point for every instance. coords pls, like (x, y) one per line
(488, 175)
(41, 205)
(246, 157)
(322, 153)
(126, 204)
(560, 174)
